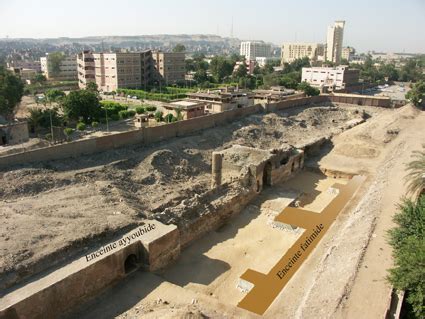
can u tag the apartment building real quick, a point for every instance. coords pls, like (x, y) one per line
(170, 66)
(254, 49)
(339, 78)
(348, 53)
(334, 41)
(24, 64)
(111, 71)
(293, 51)
(64, 69)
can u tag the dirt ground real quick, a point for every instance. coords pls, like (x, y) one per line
(345, 275)
(56, 206)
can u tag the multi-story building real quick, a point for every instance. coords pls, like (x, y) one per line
(339, 78)
(24, 74)
(111, 71)
(170, 66)
(348, 53)
(24, 64)
(63, 69)
(334, 42)
(254, 49)
(293, 51)
(223, 99)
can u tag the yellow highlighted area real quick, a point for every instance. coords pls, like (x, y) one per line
(268, 286)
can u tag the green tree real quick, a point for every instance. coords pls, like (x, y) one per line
(220, 68)
(84, 104)
(417, 94)
(55, 60)
(54, 95)
(416, 172)
(11, 91)
(92, 87)
(179, 48)
(158, 116)
(308, 89)
(408, 242)
(200, 76)
(241, 71)
(39, 78)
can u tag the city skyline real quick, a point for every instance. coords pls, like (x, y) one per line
(369, 26)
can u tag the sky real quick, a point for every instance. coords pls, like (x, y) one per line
(389, 26)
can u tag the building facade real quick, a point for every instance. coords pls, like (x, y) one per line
(339, 78)
(293, 51)
(223, 99)
(187, 108)
(334, 42)
(24, 64)
(254, 49)
(170, 66)
(66, 69)
(348, 53)
(112, 71)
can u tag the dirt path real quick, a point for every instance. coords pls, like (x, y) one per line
(369, 295)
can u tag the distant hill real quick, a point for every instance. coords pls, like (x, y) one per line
(193, 43)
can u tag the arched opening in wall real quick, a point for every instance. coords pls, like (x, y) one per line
(130, 263)
(267, 174)
(293, 166)
(284, 160)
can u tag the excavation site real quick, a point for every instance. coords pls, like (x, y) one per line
(193, 224)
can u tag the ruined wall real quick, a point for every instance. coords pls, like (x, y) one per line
(15, 133)
(149, 135)
(57, 298)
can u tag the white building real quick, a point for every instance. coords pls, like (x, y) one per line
(262, 61)
(63, 69)
(253, 49)
(338, 78)
(334, 41)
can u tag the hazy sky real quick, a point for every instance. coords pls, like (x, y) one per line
(390, 25)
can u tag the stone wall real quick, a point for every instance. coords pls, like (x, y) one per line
(150, 135)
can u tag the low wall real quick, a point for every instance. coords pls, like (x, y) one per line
(58, 292)
(150, 135)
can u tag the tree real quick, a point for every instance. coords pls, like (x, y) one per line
(308, 89)
(11, 91)
(200, 76)
(408, 242)
(83, 104)
(55, 60)
(417, 94)
(179, 48)
(54, 95)
(39, 78)
(158, 116)
(92, 87)
(220, 68)
(416, 172)
(241, 71)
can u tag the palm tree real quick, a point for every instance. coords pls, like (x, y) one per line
(35, 118)
(416, 172)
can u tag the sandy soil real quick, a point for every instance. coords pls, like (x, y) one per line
(67, 201)
(345, 275)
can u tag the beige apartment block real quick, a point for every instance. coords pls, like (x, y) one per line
(170, 66)
(67, 68)
(293, 51)
(348, 53)
(112, 71)
(334, 42)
